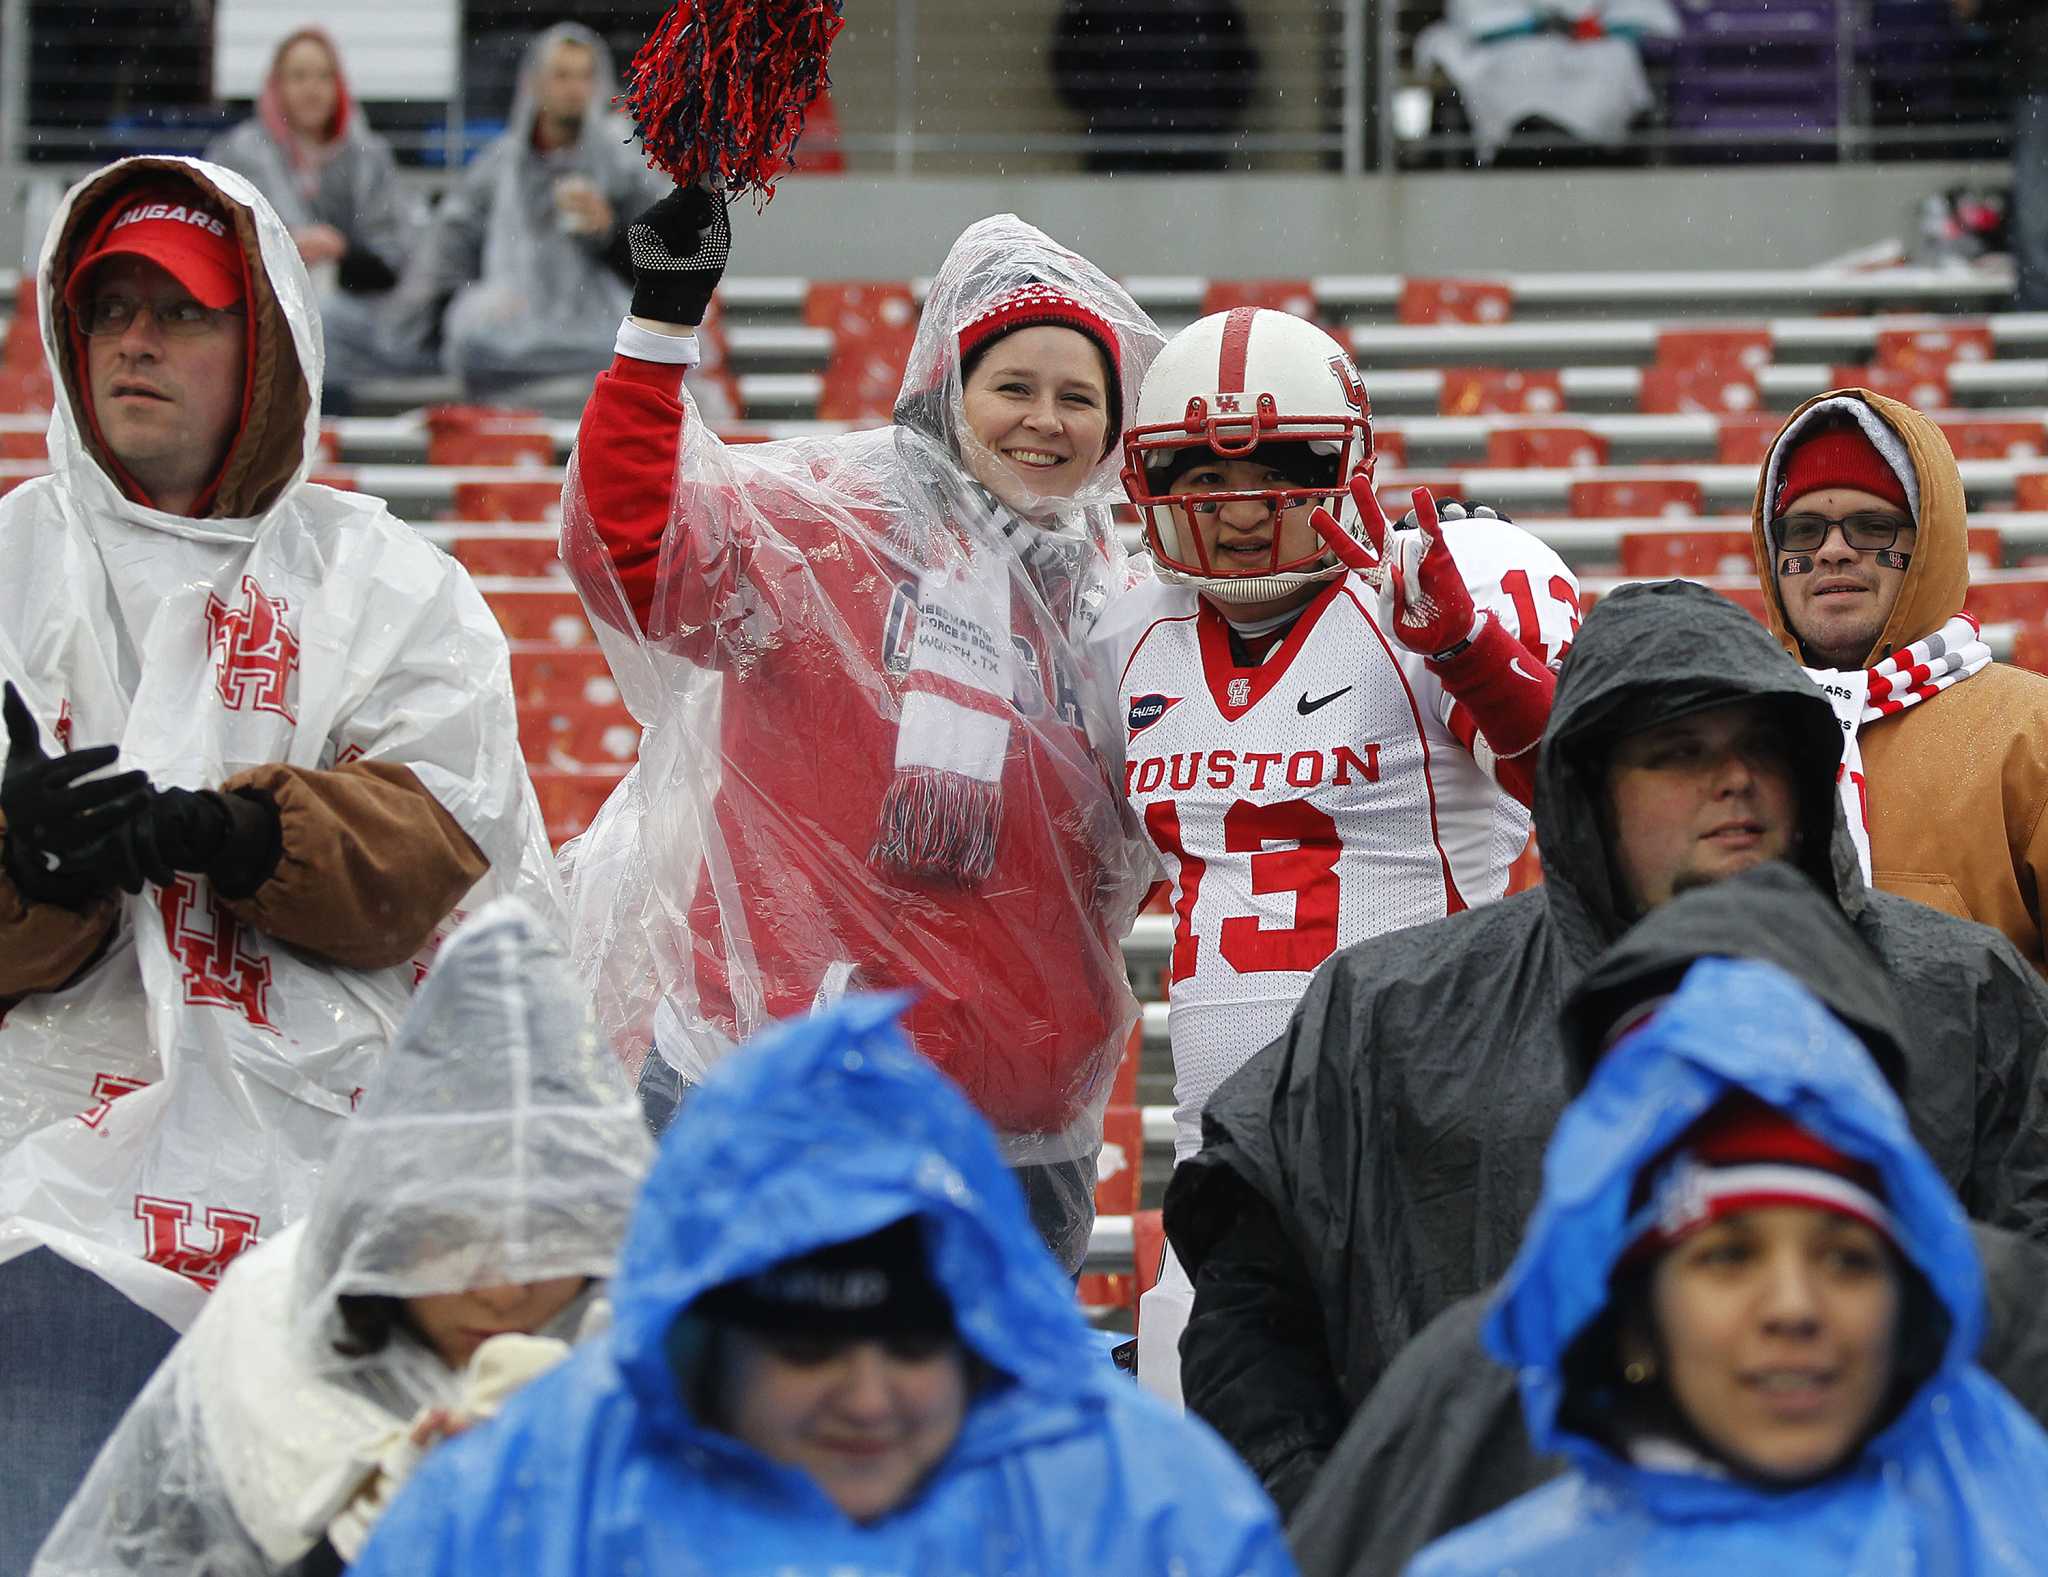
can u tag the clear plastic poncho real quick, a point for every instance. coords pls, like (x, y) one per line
(500, 1144)
(814, 596)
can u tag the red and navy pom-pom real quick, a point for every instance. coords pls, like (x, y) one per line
(720, 88)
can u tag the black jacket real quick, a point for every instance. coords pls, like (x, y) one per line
(1376, 1163)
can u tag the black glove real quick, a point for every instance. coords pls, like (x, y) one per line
(1451, 509)
(51, 816)
(233, 840)
(679, 247)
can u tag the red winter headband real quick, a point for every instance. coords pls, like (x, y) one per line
(1743, 1155)
(1036, 305)
(1840, 457)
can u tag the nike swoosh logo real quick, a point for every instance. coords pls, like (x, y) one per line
(1516, 664)
(1305, 706)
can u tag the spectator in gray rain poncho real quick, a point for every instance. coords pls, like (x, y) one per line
(523, 272)
(463, 1223)
(332, 180)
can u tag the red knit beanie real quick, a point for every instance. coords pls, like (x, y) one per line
(1839, 457)
(1037, 304)
(1743, 1155)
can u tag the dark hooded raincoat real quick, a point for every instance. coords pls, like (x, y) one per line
(1377, 1162)
(1440, 1441)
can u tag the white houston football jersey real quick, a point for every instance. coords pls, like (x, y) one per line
(1315, 799)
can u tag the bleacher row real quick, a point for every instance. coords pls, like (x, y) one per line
(1622, 418)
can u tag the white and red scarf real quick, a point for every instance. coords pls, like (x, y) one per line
(1906, 678)
(943, 811)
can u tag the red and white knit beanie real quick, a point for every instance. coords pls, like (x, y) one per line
(1744, 1155)
(1037, 305)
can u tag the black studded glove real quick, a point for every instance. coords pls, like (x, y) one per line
(52, 817)
(679, 248)
(233, 840)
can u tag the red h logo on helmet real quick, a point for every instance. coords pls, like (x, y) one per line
(255, 652)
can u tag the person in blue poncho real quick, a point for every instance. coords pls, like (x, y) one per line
(1745, 1312)
(838, 1346)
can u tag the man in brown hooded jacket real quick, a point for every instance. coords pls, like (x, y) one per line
(203, 956)
(1860, 538)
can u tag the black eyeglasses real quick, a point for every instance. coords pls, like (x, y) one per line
(183, 319)
(1866, 531)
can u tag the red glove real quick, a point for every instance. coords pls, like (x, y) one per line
(1433, 608)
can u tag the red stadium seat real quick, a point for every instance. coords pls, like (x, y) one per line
(1746, 440)
(851, 309)
(553, 616)
(1297, 296)
(1747, 595)
(1925, 388)
(2030, 491)
(2030, 648)
(568, 800)
(1708, 390)
(552, 676)
(1732, 353)
(1566, 447)
(1986, 549)
(1390, 446)
(1488, 391)
(1614, 496)
(487, 435)
(1455, 301)
(864, 375)
(23, 347)
(507, 555)
(342, 478)
(27, 388)
(1994, 440)
(1120, 1171)
(509, 501)
(1397, 498)
(2017, 601)
(28, 445)
(1934, 349)
(1527, 871)
(1659, 555)
(578, 736)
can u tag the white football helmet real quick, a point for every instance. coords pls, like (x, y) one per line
(1231, 384)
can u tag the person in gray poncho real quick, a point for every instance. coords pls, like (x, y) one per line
(469, 1211)
(523, 272)
(332, 180)
(1378, 1161)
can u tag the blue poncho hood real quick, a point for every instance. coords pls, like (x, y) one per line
(1956, 1482)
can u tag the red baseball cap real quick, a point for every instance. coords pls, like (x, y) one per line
(171, 228)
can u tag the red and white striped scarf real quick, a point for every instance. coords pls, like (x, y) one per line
(1906, 678)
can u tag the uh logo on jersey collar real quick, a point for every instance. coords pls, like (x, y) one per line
(1149, 709)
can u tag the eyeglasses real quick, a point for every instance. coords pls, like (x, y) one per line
(1866, 531)
(183, 318)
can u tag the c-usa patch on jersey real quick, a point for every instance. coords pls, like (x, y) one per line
(1149, 709)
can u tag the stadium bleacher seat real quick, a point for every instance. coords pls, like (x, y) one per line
(1664, 555)
(537, 612)
(1548, 446)
(1483, 391)
(539, 500)
(553, 676)
(568, 800)
(1637, 496)
(578, 735)
(472, 435)
(1995, 440)
(507, 555)
(1297, 296)
(1455, 301)
(1739, 352)
(1707, 387)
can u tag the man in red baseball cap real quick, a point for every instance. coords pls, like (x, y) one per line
(1861, 534)
(160, 325)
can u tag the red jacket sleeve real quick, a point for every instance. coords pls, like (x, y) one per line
(626, 447)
